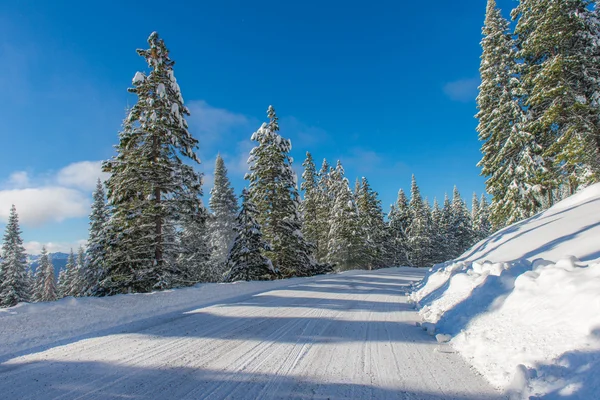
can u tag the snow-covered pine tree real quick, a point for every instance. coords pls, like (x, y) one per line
(246, 260)
(484, 226)
(80, 283)
(68, 277)
(45, 282)
(418, 235)
(509, 152)
(15, 285)
(372, 225)
(446, 234)
(62, 276)
(475, 216)
(461, 225)
(224, 207)
(429, 252)
(560, 79)
(274, 191)
(195, 257)
(343, 240)
(398, 222)
(324, 207)
(437, 234)
(95, 264)
(150, 186)
(310, 204)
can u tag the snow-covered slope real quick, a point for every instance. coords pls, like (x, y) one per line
(571, 227)
(524, 304)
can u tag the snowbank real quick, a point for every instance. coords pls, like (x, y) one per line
(26, 327)
(524, 304)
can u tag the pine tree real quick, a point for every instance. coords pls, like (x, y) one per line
(447, 242)
(461, 225)
(437, 234)
(484, 226)
(273, 189)
(45, 283)
(560, 80)
(79, 282)
(195, 258)
(511, 155)
(475, 217)
(150, 186)
(15, 286)
(60, 283)
(224, 207)
(246, 260)
(429, 252)
(399, 222)
(98, 241)
(324, 206)
(418, 235)
(372, 225)
(343, 239)
(310, 204)
(68, 277)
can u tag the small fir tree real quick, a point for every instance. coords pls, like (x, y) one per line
(418, 237)
(399, 222)
(45, 281)
(224, 207)
(195, 258)
(343, 240)
(246, 260)
(15, 284)
(98, 241)
(273, 188)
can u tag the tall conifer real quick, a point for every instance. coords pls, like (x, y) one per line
(224, 208)
(273, 190)
(150, 186)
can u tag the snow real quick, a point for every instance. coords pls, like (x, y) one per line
(523, 305)
(161, 90)
(139, 77)
(339, 336)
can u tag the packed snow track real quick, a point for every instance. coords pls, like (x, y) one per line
(345, 336)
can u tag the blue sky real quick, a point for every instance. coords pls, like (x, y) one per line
(388, 87)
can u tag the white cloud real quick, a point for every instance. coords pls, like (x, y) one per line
(18, 180)
(35, 248)
(463, 90)
(37, 206)
(211, 124)
(82, 175)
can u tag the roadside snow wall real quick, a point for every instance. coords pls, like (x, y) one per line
(523, 305)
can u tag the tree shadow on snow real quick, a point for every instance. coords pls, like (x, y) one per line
(273, 301)
(499, 235)
(107, 381)
(572, 376)
(304, 329)
(553, 243)
(487, 296)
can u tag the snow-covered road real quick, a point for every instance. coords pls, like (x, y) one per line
(347, 336)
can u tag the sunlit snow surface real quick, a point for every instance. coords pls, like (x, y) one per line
(523, 306)
(342, 336)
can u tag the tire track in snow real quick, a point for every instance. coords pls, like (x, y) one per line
(337, 336)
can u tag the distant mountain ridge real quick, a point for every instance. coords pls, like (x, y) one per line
(59, 261)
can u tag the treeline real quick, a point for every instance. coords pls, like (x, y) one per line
(149, 229)
(539, 110)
